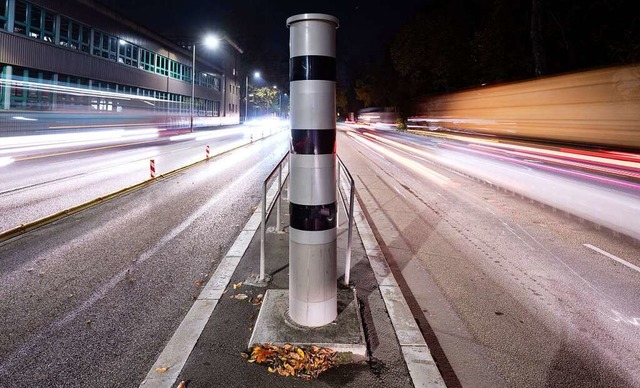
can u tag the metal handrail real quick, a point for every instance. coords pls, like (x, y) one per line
(263, 225)
(347, 259)
(266, 210)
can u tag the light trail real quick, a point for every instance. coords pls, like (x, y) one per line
(406, 162)
(48, 142)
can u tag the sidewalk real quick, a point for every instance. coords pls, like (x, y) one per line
(226, 323)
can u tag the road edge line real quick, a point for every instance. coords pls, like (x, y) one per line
(415, 352)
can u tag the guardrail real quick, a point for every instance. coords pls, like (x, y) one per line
(352, 192)
(267, 208)
(263, 225)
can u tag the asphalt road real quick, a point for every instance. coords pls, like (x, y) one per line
(51, 173)
(508, 291)
(91, 299)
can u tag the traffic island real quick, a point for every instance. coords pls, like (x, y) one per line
(345, 335)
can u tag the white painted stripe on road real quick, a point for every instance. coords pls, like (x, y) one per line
(616, 258)
(179, 348)
(422, 368)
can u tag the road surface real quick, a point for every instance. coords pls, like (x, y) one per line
(509, 292)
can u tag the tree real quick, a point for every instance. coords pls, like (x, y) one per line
(342, 102)
(265, 99)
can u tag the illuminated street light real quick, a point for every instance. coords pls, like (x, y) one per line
(256, 75)
(211, 41)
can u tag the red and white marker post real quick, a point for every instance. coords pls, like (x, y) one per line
(152, 168)
(207, 152)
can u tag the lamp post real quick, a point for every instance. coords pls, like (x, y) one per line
(276, 88)
(210, 41)
(256, 75)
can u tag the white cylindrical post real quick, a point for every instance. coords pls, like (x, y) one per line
(313, 205)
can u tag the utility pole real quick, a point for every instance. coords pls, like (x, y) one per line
(193, 81)
(246, 98)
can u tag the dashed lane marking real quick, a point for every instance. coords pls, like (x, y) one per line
(613, 257)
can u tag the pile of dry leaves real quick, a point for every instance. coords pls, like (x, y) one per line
(289, 360)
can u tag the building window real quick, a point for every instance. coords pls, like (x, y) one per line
(162, 65)
(31, 98)
(148, 60)
(128, 53)
(31, 21)
(3, 14)
(105, 46)
(179, 71)
(74, 35)
(20, 21)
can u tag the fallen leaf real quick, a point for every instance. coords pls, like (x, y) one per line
(182, 384)
(240, 296)
(198, 283)
(237, 285)
(88, 321)
(162, 370)
(289, 360)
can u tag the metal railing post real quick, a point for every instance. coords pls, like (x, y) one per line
(263, 278)
(347, 260)
(263, 230)
(278, 199)
(338, 194)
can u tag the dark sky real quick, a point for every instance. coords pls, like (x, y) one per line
(259, 26)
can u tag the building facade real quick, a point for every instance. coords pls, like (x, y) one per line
(79, 56)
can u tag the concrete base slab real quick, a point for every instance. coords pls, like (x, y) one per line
(344, 335)
(254, 281)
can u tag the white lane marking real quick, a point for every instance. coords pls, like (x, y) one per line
(516, 234)
(613, 257)
(564, 264)
(423, 372)
(177, 351)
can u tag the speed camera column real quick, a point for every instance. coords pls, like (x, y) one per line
(312, 233)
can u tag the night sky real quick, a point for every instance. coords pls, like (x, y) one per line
(366, 27)
(393, 52)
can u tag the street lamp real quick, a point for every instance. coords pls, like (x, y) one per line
(211, 41)
(256, 75)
